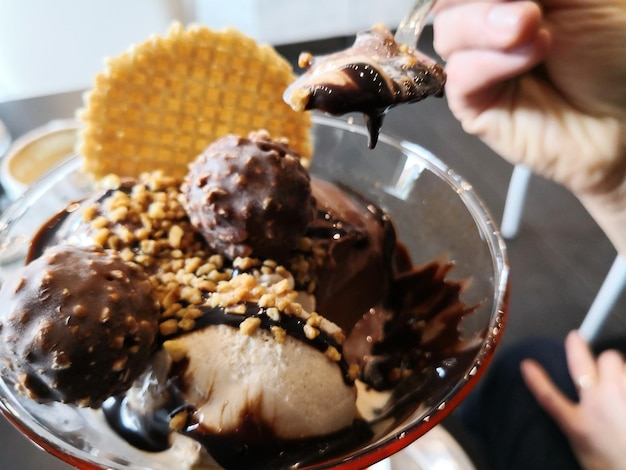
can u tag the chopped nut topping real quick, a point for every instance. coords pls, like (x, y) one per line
(19, 285)
(273, 313)
(117, 342)
(311, 332)
(279, 334)
(333, 354)
(354, 371)
(175, 349)
(179, 420)
(239, 309)
(314, 319)
(46, 277)
(147, 223)
(245, 264)
(80, 311)
(187, 324)
(168, 327)
(118, 365)
(250, 325)
(175, 236)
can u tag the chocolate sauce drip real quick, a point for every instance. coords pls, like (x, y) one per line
(292, 325)
(264, 451)
(252, 446)
(150, 432)
(47, 235)
(366, 92)
(372, 76)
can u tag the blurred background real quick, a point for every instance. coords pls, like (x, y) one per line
(49, 52)
(50, 47)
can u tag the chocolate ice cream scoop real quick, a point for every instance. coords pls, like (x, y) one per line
(249, 196)
(354, 243)
(77, 325)
(370, 77)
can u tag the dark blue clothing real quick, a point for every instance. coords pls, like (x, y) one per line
(509, 428)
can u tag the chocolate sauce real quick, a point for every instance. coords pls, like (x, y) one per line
(359, 243)
(370, 77)
(56, 228)
(365, 91)
(388, 338)
(394, 340)
(254, 446)
(47, 234)
(394, 343)
(293, 326)
(150, 432)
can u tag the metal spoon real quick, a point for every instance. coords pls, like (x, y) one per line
(412, 24)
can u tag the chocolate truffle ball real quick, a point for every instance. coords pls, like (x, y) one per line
(249, 196)
(78, 325)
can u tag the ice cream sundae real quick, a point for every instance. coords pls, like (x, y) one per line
(243, 304)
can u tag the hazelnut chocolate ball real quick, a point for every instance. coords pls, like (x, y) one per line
(249, 196)
(78, 325)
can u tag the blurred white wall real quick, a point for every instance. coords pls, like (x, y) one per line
(290, 21)
(50, 46)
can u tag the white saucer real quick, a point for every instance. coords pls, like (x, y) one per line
(436, 449)
(34, 153)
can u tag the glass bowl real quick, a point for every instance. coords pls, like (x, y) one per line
(437, 215)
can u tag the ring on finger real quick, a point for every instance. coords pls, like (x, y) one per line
(585, 381)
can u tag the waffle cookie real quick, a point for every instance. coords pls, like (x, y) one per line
(162, 102)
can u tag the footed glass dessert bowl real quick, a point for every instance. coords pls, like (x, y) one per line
(439, 220)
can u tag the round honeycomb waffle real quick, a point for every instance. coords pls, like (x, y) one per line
(160, 104)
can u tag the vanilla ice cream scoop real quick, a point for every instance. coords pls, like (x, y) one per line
(256, 390)
(250, 380)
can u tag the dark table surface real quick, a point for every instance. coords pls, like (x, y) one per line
(20, 116)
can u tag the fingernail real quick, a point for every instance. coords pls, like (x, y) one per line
(526, 367)
(574, 334)
(503, 16)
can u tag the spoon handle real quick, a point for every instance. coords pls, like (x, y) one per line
(412, 24)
